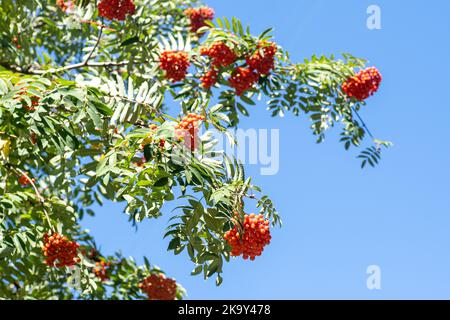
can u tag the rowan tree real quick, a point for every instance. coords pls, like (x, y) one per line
(87, 93)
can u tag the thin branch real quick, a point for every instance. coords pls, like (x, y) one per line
(82, 65)
(95, 46)
(363, 124)
(38, 194)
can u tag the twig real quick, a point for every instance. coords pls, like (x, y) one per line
(38, 194)
(95, 46)
(82, 65)
(363, 124)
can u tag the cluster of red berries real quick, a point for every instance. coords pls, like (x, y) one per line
(198, 16)
(188, 128)
(63, 5)
(262, 64)
(209, 79)
(116, 9)
(364, 84)
(34, 103)
(101, 270)
(34, 100)
(60, 251)
(220, 53)
(158, 287)
(24, 180)
(242, 79)
(251, 241)
(175, 64)
(221, 56)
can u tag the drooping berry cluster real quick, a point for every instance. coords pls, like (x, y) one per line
(60, 251)
(116, 9)
(221, 55)
(24, 180)
(65, 6)
(242, 79)
(198, 16)
(364, 84)
(187, 130)
(175, 64)
(158, 287)
(34, 100)
(101, 270)
(262, 64)
(251, 241)
(209, 79)
(34, 103)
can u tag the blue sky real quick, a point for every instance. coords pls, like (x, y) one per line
(339, 219)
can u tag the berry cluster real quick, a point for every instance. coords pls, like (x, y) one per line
(34, 103)
(262, 64)
(243, 79)
(60, 251)
(64, 6)
(220, 54)
(364, 84)
(101, 270)
(34, 100)
(198, 16)
(175, 64)
(24, 181)
(255, 236)
(158, 287)
(209, 79)
(15, 40)
(187, 130)
(116, 9)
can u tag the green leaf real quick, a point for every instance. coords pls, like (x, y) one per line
(129, 41)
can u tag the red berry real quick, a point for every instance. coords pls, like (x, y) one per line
(362, 85)
(116, 9)
(175, 64)
(158, 287)
(59, 251)
(252, 239)
(198, 16)
(33, 138)
(24, 181)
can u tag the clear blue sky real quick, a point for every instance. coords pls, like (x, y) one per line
(338, 219)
